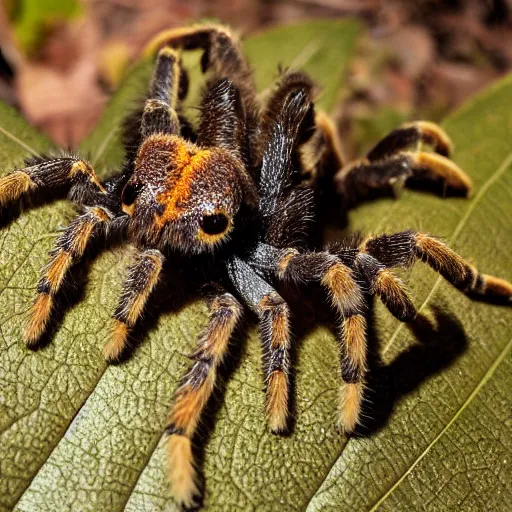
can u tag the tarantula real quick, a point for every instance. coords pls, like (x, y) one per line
(237, 195)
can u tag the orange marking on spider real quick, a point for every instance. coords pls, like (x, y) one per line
(277, 401)
(14, 185)
(39, 315)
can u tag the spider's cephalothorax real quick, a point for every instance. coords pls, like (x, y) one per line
(242, 186)
(184, 197)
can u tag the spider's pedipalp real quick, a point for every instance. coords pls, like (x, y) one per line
(223, 118)
(348, 299)
(193, 393)
(273, 313)
(50, 172)
(69, 248)
(402, 249)
(142, 277)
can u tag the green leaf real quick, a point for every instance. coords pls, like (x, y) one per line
(77, 434)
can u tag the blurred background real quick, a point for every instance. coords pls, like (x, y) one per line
(61, 59)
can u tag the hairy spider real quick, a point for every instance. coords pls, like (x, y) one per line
(236, 195)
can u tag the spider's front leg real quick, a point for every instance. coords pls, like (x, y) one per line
(69, 249)
(47, 173)
(193, 394)
(398, 158)
(142, 277)
(222, 56)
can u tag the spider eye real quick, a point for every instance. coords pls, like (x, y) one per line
(130, 193)
(214, 224)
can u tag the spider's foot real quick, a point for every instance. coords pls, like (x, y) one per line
(350, 406)
(38, 319)
(432, 167)
(181, 472)
(117, 343)
(492, 288)
(277, 402)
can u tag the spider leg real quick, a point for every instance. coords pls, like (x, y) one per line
(273, 313)
(347, 297)
(42, 173)
(142, 277)
(402, 249)
(322, 157)
(410, 134)
(394, 160)
(388, 287)
(159, 115)
(221, 54)
(223, 118)
(193, 394)
(69, 249)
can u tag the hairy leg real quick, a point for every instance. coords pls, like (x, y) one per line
(159, 115)
(193, 394)
(273, 313)
(398, 158)
(69, 249)
(142, 277)
(376, 256)
(402, 249)
(347, 297)
(223, 123)
(46, 173)
(221, 54)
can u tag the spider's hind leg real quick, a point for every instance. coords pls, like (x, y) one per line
(69, 249)
(347, 297)
(398, 158)
(381, 253)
